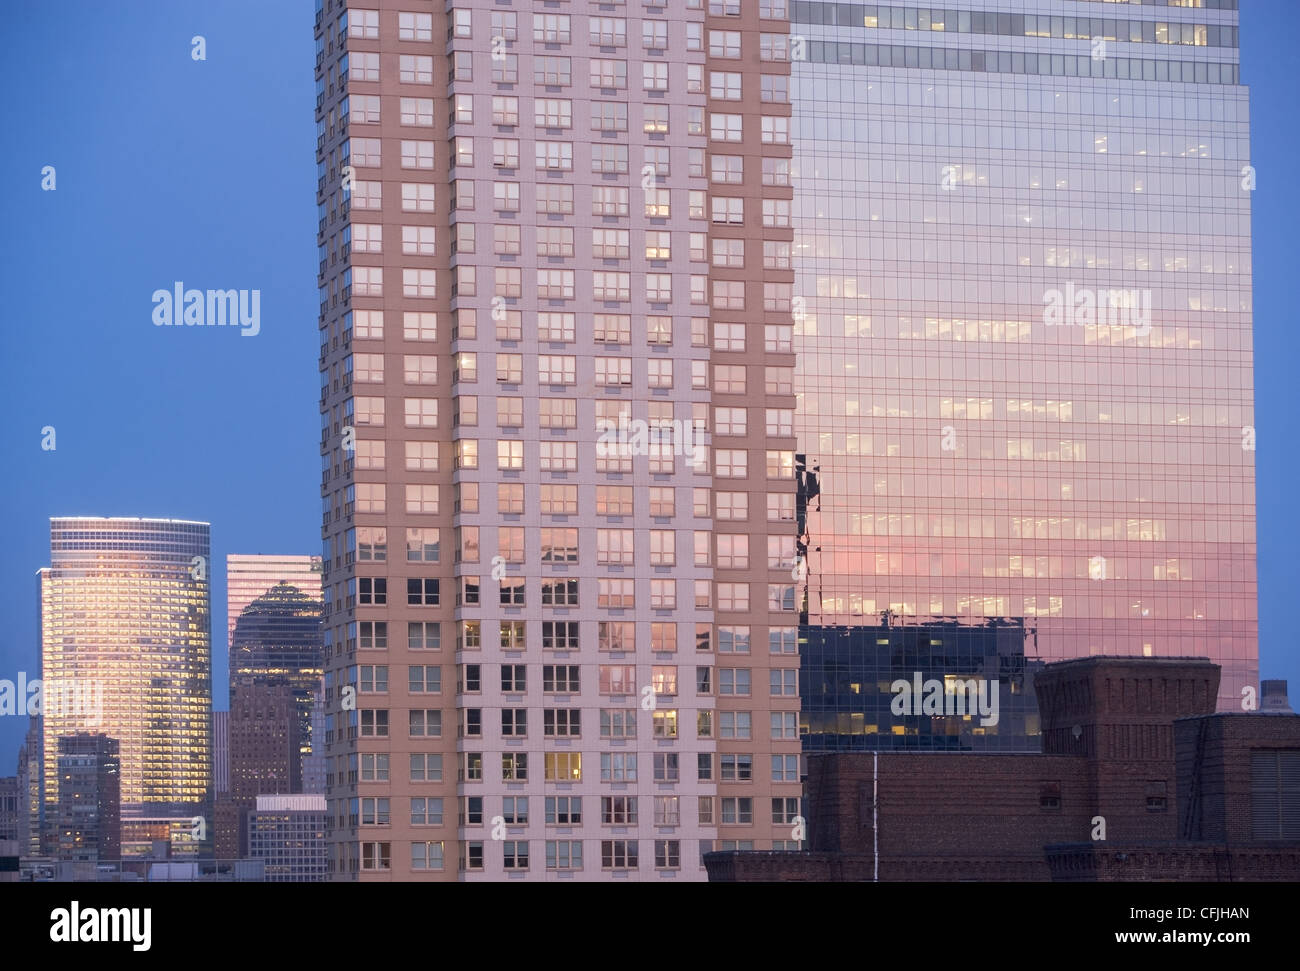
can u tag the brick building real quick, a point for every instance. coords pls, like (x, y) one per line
(1138, 779)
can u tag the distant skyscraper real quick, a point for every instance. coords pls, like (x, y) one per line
(274, 615)
(288, 832)
(31, 785)
(984, 456)
(220, 752)
(251, 576)
(88, 817)
(11, 807)
(125, 619)
(265, 756)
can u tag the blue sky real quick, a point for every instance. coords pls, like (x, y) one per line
(170, 169)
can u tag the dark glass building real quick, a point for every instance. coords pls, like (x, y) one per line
(941, 686)
(277, 640)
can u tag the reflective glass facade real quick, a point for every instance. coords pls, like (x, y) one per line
(1024, 370)
(125, 617)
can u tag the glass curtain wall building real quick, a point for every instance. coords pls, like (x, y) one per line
(126, 653)
(1024, 368)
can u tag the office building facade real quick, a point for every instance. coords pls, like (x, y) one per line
(1022, 236)
(89, 814)
(288, 834)
(125, 636)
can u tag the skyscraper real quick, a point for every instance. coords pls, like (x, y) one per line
(125, 615)
(251, 577)
(274, 615)
(89, 820)
(558, 574)
(1024, 367)
(31, 787)
(265, 751)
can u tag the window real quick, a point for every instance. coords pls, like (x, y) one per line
(618, 767)
(617, 679)
(556, 327)
(505, 110)
(417, 155)
(472, 854)
(555, 241)
(774, 89)
(424, 679)
(724, 43)
(564, 854)
(376, 856)
(551, 28)
(554, 369)
(736, 768)
(560, 545)
(614, 547)
(555, 156)
(733, 681)
(563, 766)
(616, 594)
(373, 678)
(426, 767)
(614, 501)
(618, 723)
(663, 679)
(735, 724)
(415, 69)
(552, 71)
(607, 72)
(514, 722)
(559, 500)
(655, 120)
(505, 69)
(612, 328)
(426, 855)
(785, 768)
(616, 635)
(775, 130)
(618, 810)
(427, 723)
(784, 681)
(362, 66)
(515, 854)
(608, 31)
(654, 76)
(560, 635)
(609, 159)
(559, 593)
(421, 412)
(664, 724)
(555, 284)
(426, 811)
(668, 854)
(563, 810)
(607, 201)
(561, 722)
(1049, 796)
(416, 111)
(773, 47)
(654, 34)
(613, 371)
(785, 810)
